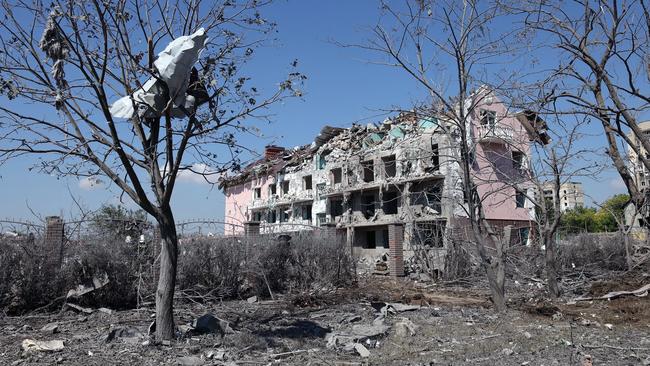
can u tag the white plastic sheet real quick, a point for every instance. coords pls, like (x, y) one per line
(174, 65)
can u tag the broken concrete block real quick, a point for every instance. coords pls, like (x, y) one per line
(405, 328)
(208, 323)
(30, 345)
(216, 355)
(361, 350)
(185, 329)
(369, 331)
(189, 361)
(128, 334)
(80, 308)
(50, 328)
(105, 311)
(351, 319)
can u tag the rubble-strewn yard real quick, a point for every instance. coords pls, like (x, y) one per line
(453, 326)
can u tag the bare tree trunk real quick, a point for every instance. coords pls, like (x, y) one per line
(496, 279)
(494, 270)
(628, 250)
(551, 266)
(165, 327)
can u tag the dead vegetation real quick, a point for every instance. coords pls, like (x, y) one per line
(210, 269)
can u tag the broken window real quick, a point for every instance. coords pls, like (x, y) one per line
(321, 162)
(306, 212)
(336, 176)
(520, 199)
(390, 203)
(336, 208)
(352, 177)
(321, 219)
(435, 157)
(522, 235)
(430, 234)
(368, 205)
(306, 182)
(284, 214)
(390, 167)
(257, 216)
(428, 194)
(518, 160)
(368, 171)
(272, 189)
(285, 187)
(257, 193)
(371, 240)
(271, 216)
(384, 238)
(488, 118)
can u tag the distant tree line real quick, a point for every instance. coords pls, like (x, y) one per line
(595, 219)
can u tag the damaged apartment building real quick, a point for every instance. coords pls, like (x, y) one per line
(403, 173)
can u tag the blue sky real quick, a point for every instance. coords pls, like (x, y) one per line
(342, 87)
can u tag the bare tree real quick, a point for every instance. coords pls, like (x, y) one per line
(602, 70)
(448, 48)
(563, 160)
(63, 67)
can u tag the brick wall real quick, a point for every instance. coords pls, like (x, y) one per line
(396, 250)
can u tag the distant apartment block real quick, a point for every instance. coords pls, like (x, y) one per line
(571, 195)
(641, 174)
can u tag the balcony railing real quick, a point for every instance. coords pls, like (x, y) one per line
(495, 133)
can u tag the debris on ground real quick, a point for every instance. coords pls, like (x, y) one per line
(50, 328)
(30, 345)
(189, 361)
(641, 292)
(361, 350)
(96, 283)
(127, 334)
(208, 323)
(335, 330)
(80, 308)
(405, 327)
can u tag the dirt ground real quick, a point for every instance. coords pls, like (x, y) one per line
(453, 326)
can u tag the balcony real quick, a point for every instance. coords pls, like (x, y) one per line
(495, 134)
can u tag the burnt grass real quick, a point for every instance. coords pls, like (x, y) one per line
(456, 326)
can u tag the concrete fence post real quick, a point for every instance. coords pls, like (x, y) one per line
(396, 250)
(252, 229)
(54, 236)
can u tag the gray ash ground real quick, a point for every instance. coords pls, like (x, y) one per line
(454, 327)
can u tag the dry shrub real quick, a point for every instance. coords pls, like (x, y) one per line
(526, 261)
(125, 264)
(208, 268)
(321, 261)
(233, 267)
(215, 265)
(33, 278)
(458, 261)
(605, 251)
